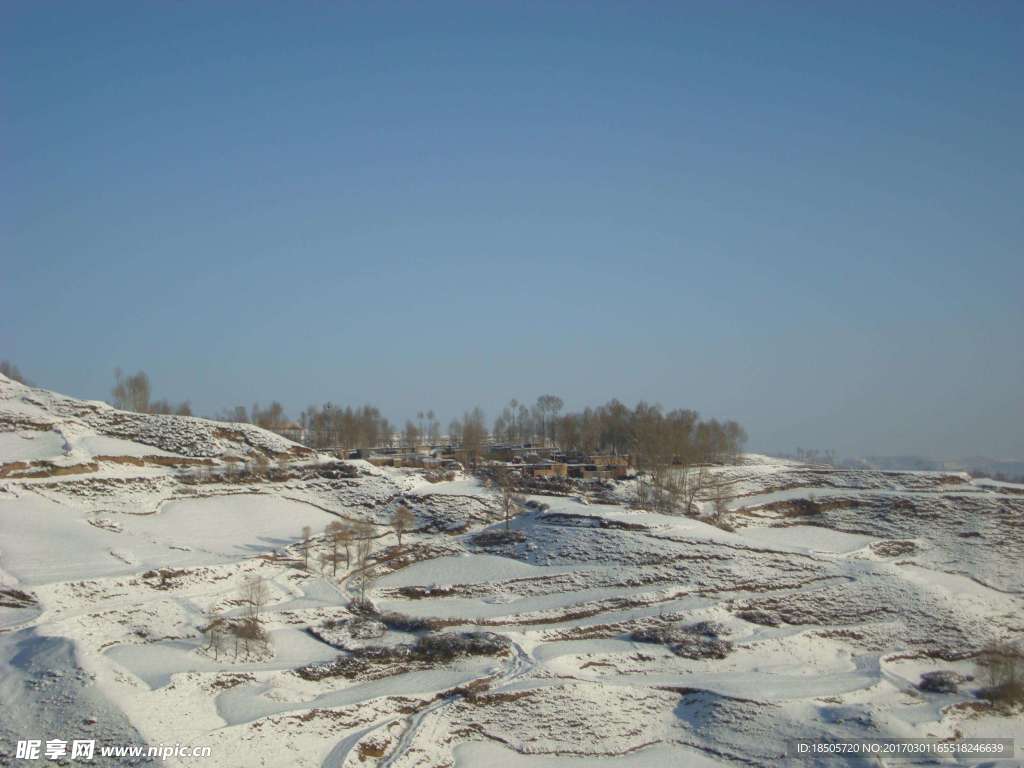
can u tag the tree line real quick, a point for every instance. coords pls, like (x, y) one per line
(134, 393)
(344, 428)
(10, 370)
(653, 437)
(618, 429)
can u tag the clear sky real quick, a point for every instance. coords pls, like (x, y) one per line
(807, 216)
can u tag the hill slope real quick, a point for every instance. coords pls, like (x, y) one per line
(594, 632)
(42, 432)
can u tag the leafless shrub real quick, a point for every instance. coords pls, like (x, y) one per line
(215, 631)
(254, 595)
(1001, 665)
(940, 681)
(697, 641)
(305, 545)
(249, 634)
(400, 622)
(363, 533)
(401, 521)
(497, 538)
(429, 649)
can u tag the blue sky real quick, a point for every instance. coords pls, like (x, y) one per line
(805, 216)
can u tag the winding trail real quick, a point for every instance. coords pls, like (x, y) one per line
(519, 665)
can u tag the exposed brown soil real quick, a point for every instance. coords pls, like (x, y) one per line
(155, 461)
(10, 422)
(42, 468)
(893, 547)
(227, 680)
(371, 749)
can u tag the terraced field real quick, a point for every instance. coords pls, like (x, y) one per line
(589, 633)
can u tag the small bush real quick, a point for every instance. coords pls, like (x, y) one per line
(450, 645)
(1001, 663)
(432, 648)
(497, 538)
(248, 636)
(759, 616)
(697, 641)
(1002, 666)
(808, 506)
(1007, 694)
(701, 647)
(364, 607)
(363, 628)
(942, 681)
(399, 622)
(894, 547)
(417, 592)
(709, 628)
(336, 470)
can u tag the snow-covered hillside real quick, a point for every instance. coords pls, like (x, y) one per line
(45, 433)
(593, 633)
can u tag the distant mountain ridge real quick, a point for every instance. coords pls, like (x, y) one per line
(974, 464)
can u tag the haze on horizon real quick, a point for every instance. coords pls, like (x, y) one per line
(804, 218)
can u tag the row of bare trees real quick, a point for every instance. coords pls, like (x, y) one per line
(511, 501)
(344, 428)
(655, 438)
(650, 433)
(351, 541)
(470, 433)
(673, 450)
(426, 428)
(518, 423)
(616, 428)
(245, 631)
(134, 393)
(343, 540)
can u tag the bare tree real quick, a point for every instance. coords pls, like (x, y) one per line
(282, 467)
(305, 545)
(474, 434)
(567, 432)
(509, 500)
(326, 556)
(272, 417)
(548, 406)
(648, 450)
(411, 436)
(346, 537)
(455, 432)
(693, 481)
(131, 393)
(165, 406)
(1002, 665)
(262, 464)
(254, 595)
(364, 545)
(339, 536)
(214, 630)
(239, 414)
(248, 630)
(433, 428)
(718, 491)
(401, 521)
